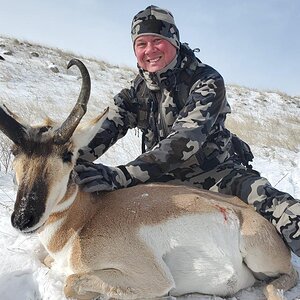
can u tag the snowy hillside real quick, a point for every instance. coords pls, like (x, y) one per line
(35, 83)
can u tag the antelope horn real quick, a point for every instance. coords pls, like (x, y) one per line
(14, 130)
(64, 133)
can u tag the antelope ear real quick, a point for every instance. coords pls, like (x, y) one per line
(12, 126)
(85, 132)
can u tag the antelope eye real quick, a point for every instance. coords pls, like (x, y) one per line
(67, 156)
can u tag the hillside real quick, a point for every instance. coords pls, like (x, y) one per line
(30, 72)
(35, 83)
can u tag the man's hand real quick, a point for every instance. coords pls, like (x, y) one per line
(97, 177)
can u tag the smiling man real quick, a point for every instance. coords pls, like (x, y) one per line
(180, 105)
(153, 53)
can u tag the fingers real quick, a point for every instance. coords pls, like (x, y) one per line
(95, 186)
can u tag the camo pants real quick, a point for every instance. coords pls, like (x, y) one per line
(232, 178)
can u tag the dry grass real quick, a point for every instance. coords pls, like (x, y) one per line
(264, 118)
(284, 133)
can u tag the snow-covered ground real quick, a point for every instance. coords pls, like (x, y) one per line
(34, 82)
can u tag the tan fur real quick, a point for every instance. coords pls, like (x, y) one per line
(70, 191)
(108, 225)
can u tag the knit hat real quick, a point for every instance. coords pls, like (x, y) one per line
(155, 21)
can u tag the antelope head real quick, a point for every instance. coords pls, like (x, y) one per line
(45, 156)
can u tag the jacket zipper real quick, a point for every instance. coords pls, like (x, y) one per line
(153, 119)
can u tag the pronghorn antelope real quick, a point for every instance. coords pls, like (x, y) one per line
(147, 241)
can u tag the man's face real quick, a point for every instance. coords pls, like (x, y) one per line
(153, 53)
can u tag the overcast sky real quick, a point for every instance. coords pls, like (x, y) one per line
(255, 43)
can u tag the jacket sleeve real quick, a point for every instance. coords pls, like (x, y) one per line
(190, 130)
(122, 116)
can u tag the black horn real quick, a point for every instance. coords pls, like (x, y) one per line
(64, 133)
(14, 130)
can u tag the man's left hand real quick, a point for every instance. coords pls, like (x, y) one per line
(98, 177)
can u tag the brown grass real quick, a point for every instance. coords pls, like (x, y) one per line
(284, 133)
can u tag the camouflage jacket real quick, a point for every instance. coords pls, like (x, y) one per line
(181, 111)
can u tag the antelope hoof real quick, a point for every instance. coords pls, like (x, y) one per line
(74, 289)
(48, 261)
(272, 293)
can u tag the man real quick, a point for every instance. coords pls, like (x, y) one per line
(180, 106)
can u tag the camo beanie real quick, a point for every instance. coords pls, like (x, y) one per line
(155, 21)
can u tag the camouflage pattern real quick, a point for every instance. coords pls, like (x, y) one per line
(181, 111)
(155, 21)
(97, 177)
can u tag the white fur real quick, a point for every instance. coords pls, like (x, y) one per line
(199, 259)
(86, 132)
(61, 258)
(48, 231)
(60, 207)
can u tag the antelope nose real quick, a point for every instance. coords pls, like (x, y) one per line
(22, 221)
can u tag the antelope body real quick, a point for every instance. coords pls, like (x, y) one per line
(143, 242)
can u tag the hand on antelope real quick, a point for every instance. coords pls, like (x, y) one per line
(98, 177)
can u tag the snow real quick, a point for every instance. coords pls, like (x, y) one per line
(267, 120)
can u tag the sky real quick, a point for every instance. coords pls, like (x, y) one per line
(252, 43)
